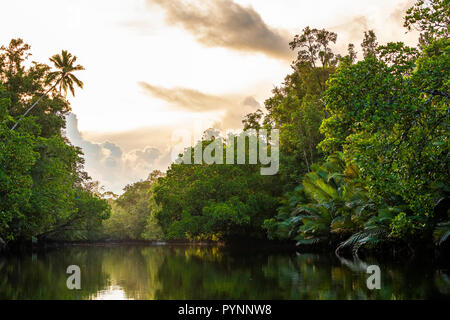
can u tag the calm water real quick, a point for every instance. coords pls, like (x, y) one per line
(188, 272)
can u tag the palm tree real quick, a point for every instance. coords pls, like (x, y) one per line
(63, 77)
(330, 204)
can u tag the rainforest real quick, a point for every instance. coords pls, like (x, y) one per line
(364, 155)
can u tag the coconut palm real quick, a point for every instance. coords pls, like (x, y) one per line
(63, 77)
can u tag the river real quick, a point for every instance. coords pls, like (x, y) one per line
(210, 272)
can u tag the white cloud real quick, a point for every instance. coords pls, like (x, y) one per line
(106, 162)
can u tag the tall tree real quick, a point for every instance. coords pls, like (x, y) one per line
(369, 44)
(63, 77)
(296, 108)
(44, 192)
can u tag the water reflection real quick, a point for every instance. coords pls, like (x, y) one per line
(110, 293)
(189, 272)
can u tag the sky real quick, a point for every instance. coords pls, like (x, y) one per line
(157, 70)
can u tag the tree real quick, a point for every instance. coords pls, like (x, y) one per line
(253, 120)
(369, 44)
(215, 201)
(329, 205)
(133, 213)
(431, 18)
(17, 157)
(296, 107)
(313, 48)
(44, 192)
(63, 77)
(389, 114)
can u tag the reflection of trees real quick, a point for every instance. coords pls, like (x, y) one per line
(197, 272)
(442, 281)
(216, 275)
(410, 280)
(134, 269)
(43, 275)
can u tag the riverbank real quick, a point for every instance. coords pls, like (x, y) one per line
(282, 246)
(18, 246)
(388, 252)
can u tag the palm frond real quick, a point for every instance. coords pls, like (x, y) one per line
(370, 235)
(64, 62)
(441, 233)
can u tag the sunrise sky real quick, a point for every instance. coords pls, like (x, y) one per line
(155, 66)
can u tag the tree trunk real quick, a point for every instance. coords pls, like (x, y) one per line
(34, 104)
(306, 160)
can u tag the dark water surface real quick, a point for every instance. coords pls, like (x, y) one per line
(202, 272)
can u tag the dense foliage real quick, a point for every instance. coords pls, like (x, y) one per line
(386, 134)
(215, 201)
(43, 191)
(364, 150)
(133, 213)
(364, 154)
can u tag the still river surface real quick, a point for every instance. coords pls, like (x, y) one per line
(209, 272)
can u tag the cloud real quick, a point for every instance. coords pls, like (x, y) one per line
(114, 150)
(250, 101)
(108, 163)
(231, 108)
(353, 28)
(189, 99)
(398, 14)
(224, 23)
(387, 25)
(149, 154)
(350, 31)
